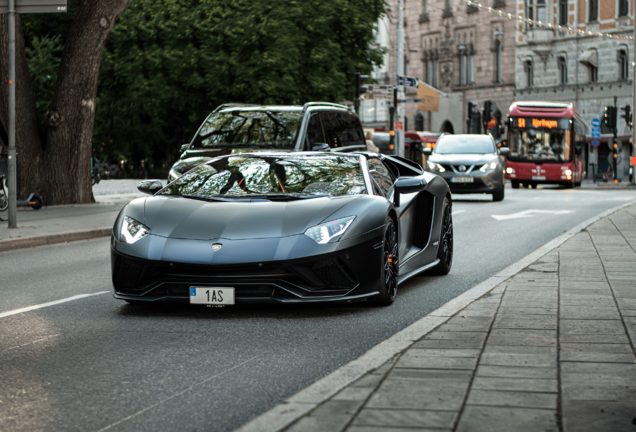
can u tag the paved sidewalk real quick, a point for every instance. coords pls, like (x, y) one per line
(550, 349)
(70, 222)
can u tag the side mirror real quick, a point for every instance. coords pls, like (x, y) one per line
(427, 151)
(184, 147)
(321, 147)
(150, 187)
(406, 185)
(504, 151)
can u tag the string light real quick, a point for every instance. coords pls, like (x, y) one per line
(540, 24)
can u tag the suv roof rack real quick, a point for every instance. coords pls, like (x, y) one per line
(228, 105)
(310, 104)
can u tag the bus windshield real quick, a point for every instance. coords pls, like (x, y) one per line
(545, 140)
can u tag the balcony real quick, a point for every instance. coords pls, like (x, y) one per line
(496, 4)
(471, 8)
(447, 12)
(423, 18)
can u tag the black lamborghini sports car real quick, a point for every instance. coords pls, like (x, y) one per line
(283, 228)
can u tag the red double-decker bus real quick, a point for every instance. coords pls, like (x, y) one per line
(546, 141)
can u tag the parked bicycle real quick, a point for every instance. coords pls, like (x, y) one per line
(34, 200)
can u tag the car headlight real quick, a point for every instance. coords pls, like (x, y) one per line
(132, 230)
(173, 175)
(431, 166)
(329, 231)
(488, 166)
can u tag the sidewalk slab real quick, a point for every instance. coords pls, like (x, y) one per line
(555, 357)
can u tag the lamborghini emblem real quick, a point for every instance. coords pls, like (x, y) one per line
(216, 246)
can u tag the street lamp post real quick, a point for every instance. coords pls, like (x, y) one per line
(13, 190)
(399, 134)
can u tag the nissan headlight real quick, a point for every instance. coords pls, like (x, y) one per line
(329, 231)
(132, 230)
(431, 166)
(488, 166)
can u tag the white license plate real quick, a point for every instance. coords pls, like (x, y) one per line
(209, 295)
(537, 177)
(462, 180)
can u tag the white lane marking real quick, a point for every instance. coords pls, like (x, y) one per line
(30, 343)
(53, 303)
(529, 213)
(458, 211)
(180, 393)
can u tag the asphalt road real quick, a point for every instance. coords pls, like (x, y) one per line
(95, 363)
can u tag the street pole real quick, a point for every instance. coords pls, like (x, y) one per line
(615, 132)
(13, 190)
(633, 129)
(399, 134)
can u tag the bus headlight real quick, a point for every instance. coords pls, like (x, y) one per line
(510, 170)
(567, 172)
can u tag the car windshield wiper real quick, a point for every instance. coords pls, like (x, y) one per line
(213, 199)
(288, 197)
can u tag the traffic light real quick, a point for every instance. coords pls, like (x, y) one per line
(486, 114)
(627, 115)
(359, 89)
(473, 121)
(609, 118)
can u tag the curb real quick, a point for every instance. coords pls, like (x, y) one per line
(27, 242)
(306, 400)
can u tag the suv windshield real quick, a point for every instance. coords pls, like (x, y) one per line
(464, 144)
(244, 128)
(251, 176)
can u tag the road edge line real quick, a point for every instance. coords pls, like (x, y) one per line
(48, 304)
(27, 242)
(301, 403)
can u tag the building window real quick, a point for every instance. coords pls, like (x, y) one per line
(535, 10)
(592, 13)
(498, 61)
(469, 67)
(593, 73)
(434, 71)
(529, 74)
(623, 8)
(563, 12)
(563, 70)
(623, 70)
(463, 65)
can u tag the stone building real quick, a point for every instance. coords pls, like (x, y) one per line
(465, 52)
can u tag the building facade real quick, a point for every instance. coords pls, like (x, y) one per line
(467, 53)
(561, 64)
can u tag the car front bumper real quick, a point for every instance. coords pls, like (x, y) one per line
(488, 182)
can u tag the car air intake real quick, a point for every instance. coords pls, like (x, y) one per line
(423, 219)
(126, 272)
(335, 273)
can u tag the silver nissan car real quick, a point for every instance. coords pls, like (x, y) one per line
(469, 164)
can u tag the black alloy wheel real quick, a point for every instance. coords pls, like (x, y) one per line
(390, 265)
(445, 251)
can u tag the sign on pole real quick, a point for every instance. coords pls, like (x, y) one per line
(429, 96)
(378, 92)
(595, 142)
(11, 7)
(407, 81)
(596, 128)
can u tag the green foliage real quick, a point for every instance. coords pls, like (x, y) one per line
(43, 59)
(168, 64)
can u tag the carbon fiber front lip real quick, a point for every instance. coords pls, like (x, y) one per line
(253, 300)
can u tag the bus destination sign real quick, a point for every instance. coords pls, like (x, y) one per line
(540, 123)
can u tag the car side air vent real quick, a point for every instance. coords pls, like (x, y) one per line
(126, 272)
(335, 273)
(423, 219)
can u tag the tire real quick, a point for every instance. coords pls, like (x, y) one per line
(499, 195)
(37, 202)
(445, 251)
(389, 267)
(4, 196)
(515, 184)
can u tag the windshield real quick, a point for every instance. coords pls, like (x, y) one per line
(241, 128)
(464, 144)
(548, 142)
(240, 176)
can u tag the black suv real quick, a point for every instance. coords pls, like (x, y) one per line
(235, 128)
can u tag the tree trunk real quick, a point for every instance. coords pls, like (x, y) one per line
(59, 169)
(28, 140)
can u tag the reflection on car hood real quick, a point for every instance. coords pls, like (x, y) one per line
(465, 159)
(185, 218)
(196, 157)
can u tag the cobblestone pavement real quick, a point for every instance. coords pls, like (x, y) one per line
(550, 349)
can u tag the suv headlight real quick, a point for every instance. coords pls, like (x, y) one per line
(329, 231)
(132, 230)
(488, 166)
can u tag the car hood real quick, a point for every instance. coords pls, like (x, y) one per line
(184, 218)
(465, 159)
